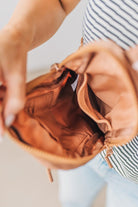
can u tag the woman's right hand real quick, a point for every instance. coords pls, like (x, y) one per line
(13, 58)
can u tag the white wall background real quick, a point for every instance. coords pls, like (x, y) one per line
(65, 41)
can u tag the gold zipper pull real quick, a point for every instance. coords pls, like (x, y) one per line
(109, 152)
(54, 66)
(50, 175)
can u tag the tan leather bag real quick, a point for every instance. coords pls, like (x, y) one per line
(65, 128)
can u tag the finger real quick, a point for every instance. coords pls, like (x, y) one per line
(135, 65)
(1, 127)
(15, 95)
(2, 94)
(1, 76)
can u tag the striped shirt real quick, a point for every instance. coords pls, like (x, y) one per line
(116, 20)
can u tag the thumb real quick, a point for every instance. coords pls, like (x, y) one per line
(15, 96)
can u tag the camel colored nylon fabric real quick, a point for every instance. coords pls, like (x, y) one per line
(101, 113)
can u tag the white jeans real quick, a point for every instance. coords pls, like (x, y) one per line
(79, 187)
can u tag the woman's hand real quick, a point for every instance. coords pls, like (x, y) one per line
(13, 56)
(32, 23)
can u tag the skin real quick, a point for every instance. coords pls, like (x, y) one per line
(32, 23)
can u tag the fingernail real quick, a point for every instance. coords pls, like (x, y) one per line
(9, 120)
(135, 65)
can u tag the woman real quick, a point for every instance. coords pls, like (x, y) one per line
(34, 22)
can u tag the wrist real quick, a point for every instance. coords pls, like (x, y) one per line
(21, 33)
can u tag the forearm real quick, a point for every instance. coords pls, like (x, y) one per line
(35, 21)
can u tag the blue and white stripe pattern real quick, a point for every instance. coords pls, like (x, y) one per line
(116, 20)
(110, 19)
